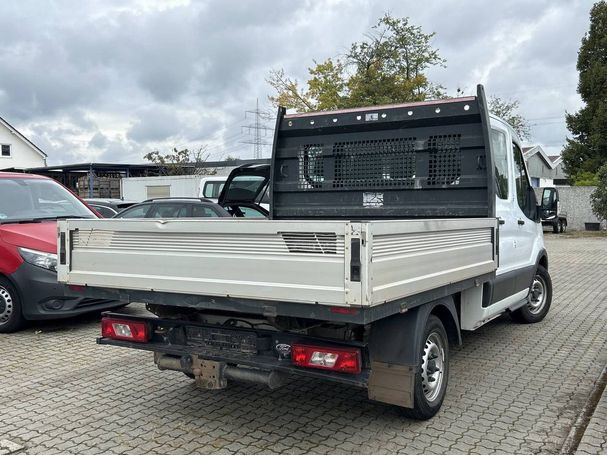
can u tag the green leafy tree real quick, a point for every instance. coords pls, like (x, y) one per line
(586, 151)
(586, 178)
(598, 198)
(180, 162)
(508, 111)
(388, 66)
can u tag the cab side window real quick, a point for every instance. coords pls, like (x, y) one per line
(500, 153)
(522, 181)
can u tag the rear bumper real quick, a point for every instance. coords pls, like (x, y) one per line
(181, 339)
(42, 297)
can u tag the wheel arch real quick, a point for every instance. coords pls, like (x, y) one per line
(450, 320)
(12, 282)
(395, 339)
(542, 259)
(395, 345)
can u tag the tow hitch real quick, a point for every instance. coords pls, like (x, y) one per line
(215, 375)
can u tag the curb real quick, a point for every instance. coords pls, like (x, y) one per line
(581, 423)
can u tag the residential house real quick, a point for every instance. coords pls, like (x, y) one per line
(544, 170)
(17, 151)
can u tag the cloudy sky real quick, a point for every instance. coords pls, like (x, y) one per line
(110, 80)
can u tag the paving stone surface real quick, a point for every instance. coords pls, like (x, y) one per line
(513, 389)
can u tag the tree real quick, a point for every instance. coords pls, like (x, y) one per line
(586, 151)
(508, 111)
(388, 66)
(180, 162)
(230, 158)
(598, 198)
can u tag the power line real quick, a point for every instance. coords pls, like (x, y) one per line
(257, 128)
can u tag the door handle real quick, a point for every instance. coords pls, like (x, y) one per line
(501, 220)
(520, 222)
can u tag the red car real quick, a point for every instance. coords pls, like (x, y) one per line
(30, 206)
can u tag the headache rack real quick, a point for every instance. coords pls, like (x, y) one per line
(417, 160)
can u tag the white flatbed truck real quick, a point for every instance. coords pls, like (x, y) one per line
(391, 230)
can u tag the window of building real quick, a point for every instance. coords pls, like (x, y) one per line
(6, 150)
(158, 191)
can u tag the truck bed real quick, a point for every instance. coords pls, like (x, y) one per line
(335, 263)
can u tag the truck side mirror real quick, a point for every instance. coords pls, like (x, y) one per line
(534, 209)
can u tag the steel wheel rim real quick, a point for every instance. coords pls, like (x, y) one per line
(6, 305)
(433, 366)
(537, 295)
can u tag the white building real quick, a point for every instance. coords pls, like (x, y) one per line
(17, 151)
(544, 170)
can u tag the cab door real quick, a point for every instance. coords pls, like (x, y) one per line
(525, 211)
(517, 229)
(504, 200)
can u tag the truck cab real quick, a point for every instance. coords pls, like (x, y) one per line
(521, 240)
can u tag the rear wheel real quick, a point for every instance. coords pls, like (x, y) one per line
(538, 300)
(433, 372)
(11, 318)
(562, 226)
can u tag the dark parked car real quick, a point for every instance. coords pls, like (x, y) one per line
(174, 208)
(243, 195)
(107, 208)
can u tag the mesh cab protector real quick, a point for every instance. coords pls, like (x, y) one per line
(416, 160)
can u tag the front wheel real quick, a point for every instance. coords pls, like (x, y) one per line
(433, 372)
(11, 318)
(538, 300)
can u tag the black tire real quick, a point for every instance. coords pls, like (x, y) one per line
(428, 402)
(11, 317)
(555, 228)
(536, 310)
(562, 226)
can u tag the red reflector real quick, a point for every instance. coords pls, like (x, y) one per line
(342, 310)
(343, 360)
(120, 329)
(75, 287)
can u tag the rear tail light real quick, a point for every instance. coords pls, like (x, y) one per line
(343, 360)
(119, 329)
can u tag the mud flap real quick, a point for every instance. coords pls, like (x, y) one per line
(394, 350)
(391, 383)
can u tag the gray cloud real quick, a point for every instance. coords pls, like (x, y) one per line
(155, 125)
(115, 79)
